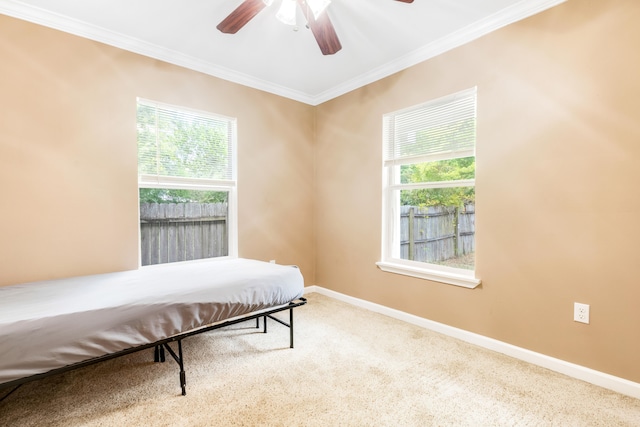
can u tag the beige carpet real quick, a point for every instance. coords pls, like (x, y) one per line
(350, 367)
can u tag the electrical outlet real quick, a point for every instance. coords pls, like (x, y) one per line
(581, 312)
(272, 261)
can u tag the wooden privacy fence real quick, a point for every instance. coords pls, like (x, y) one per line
(436, 233)
(182, 231)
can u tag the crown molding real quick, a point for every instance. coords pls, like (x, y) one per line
(507, 16)
(514, 13)
(17, 9)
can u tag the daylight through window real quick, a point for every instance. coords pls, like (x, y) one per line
(187, 183)
(429, 190)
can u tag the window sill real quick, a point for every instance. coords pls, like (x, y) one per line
(448, 277)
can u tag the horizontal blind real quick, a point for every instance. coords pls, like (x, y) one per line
(176, 142)
(442, 128)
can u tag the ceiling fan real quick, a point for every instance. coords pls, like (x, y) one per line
(317, 20)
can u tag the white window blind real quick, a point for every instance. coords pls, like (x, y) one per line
(183, 143)
(428, 199)
(443, 128)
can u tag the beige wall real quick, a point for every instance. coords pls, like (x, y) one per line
(557, 185)
(558, 129)
(68, 168)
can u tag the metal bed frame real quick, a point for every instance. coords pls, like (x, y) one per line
(161, 345)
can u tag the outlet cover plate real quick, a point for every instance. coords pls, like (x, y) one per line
(581, 312)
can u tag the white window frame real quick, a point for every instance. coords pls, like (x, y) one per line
(390, 256)
(182, 183)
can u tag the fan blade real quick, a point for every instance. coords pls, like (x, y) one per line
(406, 1)
(239, 17)
(322, 30)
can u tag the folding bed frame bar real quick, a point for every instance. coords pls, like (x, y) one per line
(160, 346)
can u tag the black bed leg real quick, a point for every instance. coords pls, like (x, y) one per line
(158, 354)
(257, 323)
(291, 328)
(265, 324)
(180, 361)
(183, 376)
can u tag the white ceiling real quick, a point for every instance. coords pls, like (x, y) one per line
(378, 37)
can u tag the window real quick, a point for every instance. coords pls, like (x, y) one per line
(187, 184)
(429, 190)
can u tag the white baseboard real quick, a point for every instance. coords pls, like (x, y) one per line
(610, 382)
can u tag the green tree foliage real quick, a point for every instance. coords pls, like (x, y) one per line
(181, 144)
(164, 195)
(189, 146)
(435, 136)
(444, 170)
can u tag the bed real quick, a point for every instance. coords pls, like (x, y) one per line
(53, 326)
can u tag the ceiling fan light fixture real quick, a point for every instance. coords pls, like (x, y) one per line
(287, 12)
(318, 6)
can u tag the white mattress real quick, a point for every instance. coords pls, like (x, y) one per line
(50, 324)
